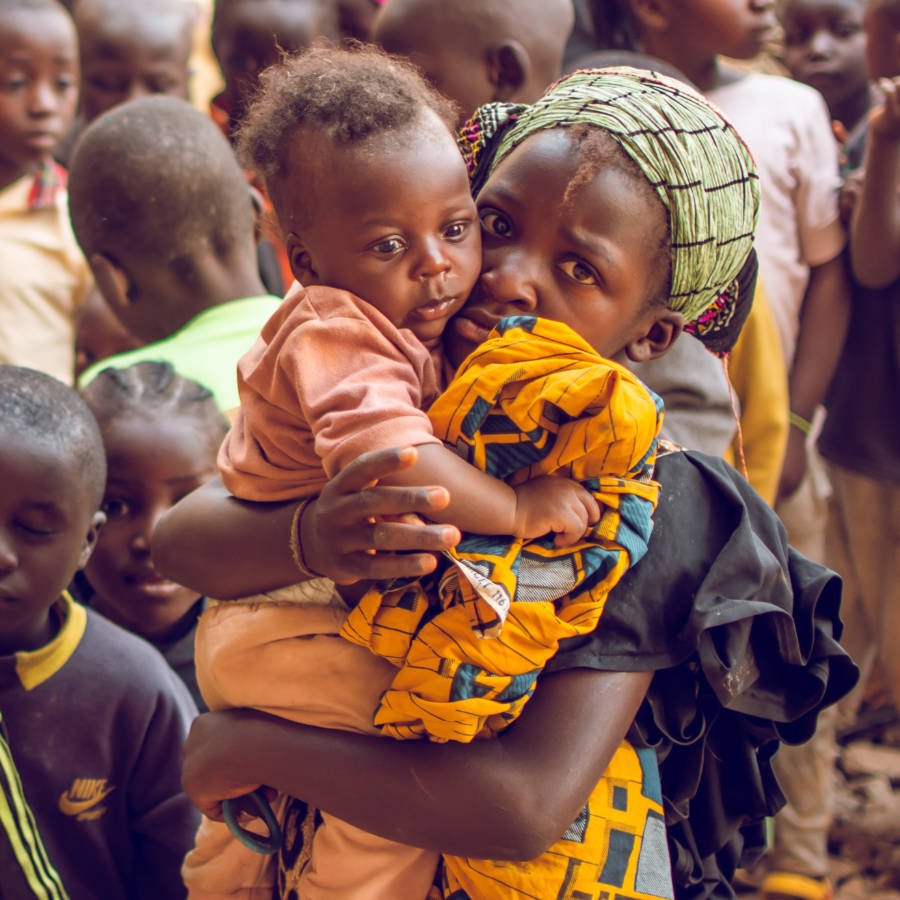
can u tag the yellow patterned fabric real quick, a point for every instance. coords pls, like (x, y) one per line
(470, 641)
(615, 848)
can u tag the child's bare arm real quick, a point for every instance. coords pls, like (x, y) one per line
(482, 504)
(823, 326)
(875, 225)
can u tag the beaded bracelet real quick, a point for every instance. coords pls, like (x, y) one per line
(799, 422)
(294, 540)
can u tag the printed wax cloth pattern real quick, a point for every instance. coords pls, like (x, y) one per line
(470, 640)
(615, 847)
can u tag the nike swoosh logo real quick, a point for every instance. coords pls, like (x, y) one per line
(70, 807)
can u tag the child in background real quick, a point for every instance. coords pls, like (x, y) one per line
(131, 48)
(128, 49)
(161, 433)
(43, 277)
(824, 47)
(356, 18)
(99, 333)
(248, 36)
(478, 51)
(163, 214)
(92, 717)
(858, 441)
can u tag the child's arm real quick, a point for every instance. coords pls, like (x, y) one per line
(482, 504)
(875, 225)
(823, 326)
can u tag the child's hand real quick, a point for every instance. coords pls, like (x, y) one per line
(549, 503)
(884, 121)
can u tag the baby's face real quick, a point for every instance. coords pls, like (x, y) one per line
(38, 86)
(390, 220)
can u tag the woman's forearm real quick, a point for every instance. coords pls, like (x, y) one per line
(508, 798)
(223, 547)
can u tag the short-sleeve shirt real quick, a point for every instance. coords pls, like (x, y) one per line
(788, 130)
(43, 280)
(329, 378)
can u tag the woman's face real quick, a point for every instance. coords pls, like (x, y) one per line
(590, 261)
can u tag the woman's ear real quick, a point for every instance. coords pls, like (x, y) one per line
(301, 262)
(508, 66)
(662, 332)
(112, 282)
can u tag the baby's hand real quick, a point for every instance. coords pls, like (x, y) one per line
(549, 503)
(884, 122)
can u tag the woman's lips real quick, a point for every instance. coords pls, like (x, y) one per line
(470, 330)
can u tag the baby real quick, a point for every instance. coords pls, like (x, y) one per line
(372, 197)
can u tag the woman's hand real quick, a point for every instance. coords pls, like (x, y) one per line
(359, 529)
(214, 751)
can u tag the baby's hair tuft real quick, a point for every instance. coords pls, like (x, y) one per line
(352, 92)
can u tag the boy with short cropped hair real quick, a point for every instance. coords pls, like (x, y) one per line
(475, 52)
(251, 35)
(131, 48)
(163, 213)
(93, 718)
(43, 277)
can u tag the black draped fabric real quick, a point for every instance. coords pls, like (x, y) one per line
(742, 632)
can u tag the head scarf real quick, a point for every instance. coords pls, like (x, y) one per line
(698, 165)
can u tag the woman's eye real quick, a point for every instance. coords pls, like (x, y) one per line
(388, 246)
(495, 223)
(115, 508)
(579, 271)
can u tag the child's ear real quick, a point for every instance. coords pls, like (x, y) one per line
(659, 336)
(651, 15)
(507, 68)
(300, 260)
(90, 541)
(112, 282)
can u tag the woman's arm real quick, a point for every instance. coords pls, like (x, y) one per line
(507, 798)
(228, 548)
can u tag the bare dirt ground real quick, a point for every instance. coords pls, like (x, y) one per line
(865, 839)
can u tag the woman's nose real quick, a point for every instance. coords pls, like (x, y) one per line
(509, 281)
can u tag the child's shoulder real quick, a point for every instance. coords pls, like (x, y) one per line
(128, 669)
(780, 97)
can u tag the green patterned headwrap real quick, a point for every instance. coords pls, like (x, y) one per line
(701, 170)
